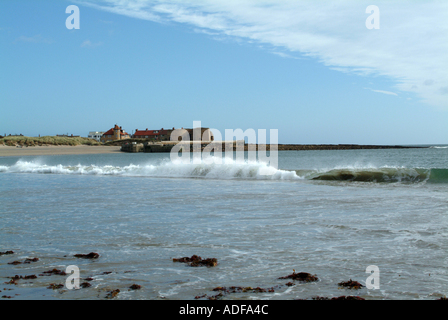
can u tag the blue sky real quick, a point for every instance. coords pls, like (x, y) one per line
(310, 69)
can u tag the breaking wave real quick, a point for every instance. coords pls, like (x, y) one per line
(235, 170)
(383, 174)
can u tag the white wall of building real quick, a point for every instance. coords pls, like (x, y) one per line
(96, 135)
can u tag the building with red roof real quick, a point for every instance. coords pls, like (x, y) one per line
(161, 135)
(165, 134)
(115, 133)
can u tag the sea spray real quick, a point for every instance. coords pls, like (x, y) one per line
(228, 170)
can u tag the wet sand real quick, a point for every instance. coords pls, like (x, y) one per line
(6, 151)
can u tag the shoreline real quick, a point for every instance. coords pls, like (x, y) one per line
(7, 151)
(51, 150)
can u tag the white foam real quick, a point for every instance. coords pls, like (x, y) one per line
(229, 170)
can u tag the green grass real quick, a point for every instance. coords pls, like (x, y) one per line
(130, 140)
(47, 140)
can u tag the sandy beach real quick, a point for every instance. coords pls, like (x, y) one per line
(6, 151)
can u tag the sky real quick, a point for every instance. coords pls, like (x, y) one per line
(312, 70)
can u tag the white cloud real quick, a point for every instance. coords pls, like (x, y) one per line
(284, 55)
(444, 90)
(88, 43)
(410, 46)
(385, 92)
(35, 39)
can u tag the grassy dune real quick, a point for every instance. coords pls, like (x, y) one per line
(47, 141)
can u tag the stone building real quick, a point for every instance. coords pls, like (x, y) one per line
(165, 135)
(115, 133)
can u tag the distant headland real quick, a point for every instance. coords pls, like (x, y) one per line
(161, 141)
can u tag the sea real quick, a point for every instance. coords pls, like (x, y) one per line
(377, 217)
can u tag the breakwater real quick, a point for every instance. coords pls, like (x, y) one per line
(166, 147)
